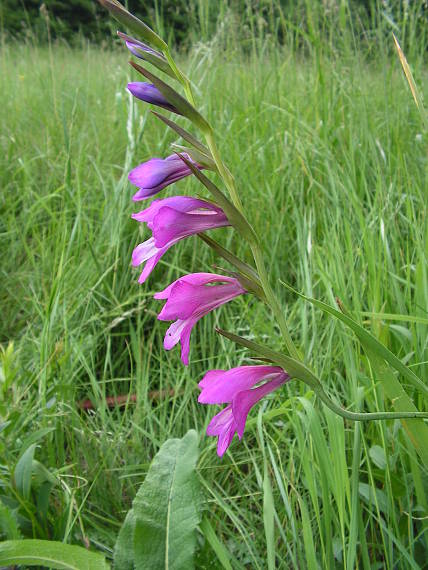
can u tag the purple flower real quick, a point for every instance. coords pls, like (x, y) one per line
(235, 387)
(171, 220)
(150, 94)
(152, 176)
(189, 299)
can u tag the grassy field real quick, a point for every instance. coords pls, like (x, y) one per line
(329, 153)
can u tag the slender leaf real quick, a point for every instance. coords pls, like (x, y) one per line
(142, 31)
(23, 471)
(417, 430)
(183, 133)
(218, 547)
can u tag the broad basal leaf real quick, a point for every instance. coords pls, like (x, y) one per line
(160, 530)
(50, 554)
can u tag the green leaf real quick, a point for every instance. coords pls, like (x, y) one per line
(377, 455)
(166, 508)
(165, 511)
(268, 502)
(183, 133)
(51, 554)
(417, 430)
(395, 317)
(124, 547)
(233, 214)
(142, 31)
(218, 547)
(8, 523)
(23, 472)
(174, 98)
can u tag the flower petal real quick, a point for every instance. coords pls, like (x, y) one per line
(244, 401)
(170, 224)
(223, 426)
(221, 388)
(195, 279)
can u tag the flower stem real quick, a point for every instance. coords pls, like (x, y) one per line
(271, 299)
(358, 417)
(180, 76)
(229, 181)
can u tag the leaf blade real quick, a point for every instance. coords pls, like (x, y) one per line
(52, 554)
(166, 508)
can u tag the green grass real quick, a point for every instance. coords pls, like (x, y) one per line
(330, 158)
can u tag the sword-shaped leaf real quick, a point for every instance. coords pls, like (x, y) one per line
(121, 14)
(183, 133)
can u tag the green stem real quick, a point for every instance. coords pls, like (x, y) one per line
(360, 417)
(224, 172)
(229, 181)
(271, 299)
(180, 76)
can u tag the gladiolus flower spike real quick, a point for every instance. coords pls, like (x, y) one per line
(171, 220)
(189, 299)
(193, 296)
(236, 387)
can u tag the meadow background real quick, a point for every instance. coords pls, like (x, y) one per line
(315, 119)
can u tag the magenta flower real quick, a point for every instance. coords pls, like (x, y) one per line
(152, 176)
(171, 220)
(150, 94)
(236, 388)
(189, 299)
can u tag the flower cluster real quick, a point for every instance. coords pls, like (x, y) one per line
(193, 296)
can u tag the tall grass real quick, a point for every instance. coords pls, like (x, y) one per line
(330, 158)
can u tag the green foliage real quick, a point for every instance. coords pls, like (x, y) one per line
(160, 530)
(329, 155)
(185, 22)
(50, 554)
